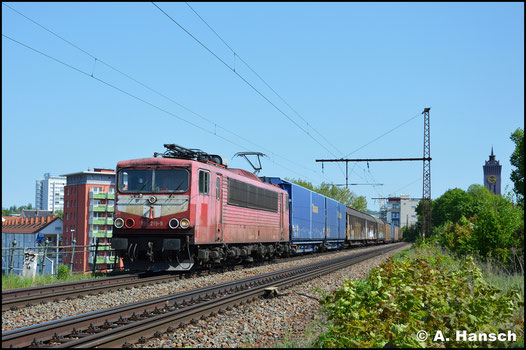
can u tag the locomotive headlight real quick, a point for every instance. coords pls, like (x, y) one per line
(173, 223)
(119, 222)
(185, 223)
(129, 223)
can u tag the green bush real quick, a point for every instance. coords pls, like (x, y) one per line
(62, 272)
(430, 293)
(481, 223)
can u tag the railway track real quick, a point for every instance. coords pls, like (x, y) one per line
(23, 297)
(130, 323)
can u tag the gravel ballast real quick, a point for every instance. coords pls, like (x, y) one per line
(292, 319)
(261, 323)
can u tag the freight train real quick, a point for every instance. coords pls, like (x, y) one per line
(185, 208)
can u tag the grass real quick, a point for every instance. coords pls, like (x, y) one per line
(15, 281)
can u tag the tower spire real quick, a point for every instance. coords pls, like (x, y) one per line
(492, 156)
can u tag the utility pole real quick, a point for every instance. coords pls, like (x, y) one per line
(426, 189)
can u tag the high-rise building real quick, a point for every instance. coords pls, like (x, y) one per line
(492, 170)
(88, 216)
(49, 193)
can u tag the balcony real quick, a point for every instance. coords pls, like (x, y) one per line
(98, 195)
(102, 260)
(102, 208)
(97, 221)
(99, 208)
(99, 233)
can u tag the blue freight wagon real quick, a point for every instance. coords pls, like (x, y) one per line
(316, 221)
(335, 223)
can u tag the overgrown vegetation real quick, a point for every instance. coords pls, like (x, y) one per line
(480, 223)
(491, 227)
(422, 291)
(517, 160)
(10, 281)
(62, 272)
(342, 195)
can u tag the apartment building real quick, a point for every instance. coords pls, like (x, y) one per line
(49, 193)
(88, 215)
(401, 211)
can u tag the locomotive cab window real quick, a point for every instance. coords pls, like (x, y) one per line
(204, 181)
(152, 181)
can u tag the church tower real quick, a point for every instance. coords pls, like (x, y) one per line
(492, 174)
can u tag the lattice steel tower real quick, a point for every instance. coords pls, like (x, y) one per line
(426, 190)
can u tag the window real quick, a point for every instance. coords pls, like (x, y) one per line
(204, 179)
(152, 181)
(218, 188)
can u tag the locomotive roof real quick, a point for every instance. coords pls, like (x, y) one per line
(175, 162)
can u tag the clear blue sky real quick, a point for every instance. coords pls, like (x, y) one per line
(353, 71)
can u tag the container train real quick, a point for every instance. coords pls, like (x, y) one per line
(185, 207)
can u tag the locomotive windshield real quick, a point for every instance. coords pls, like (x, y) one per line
(152, 180)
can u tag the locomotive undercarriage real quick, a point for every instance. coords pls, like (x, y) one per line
(177, 253)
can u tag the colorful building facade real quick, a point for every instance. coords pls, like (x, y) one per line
(89, 199)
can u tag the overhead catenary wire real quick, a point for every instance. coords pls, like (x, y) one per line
(236, 55)
(127, 93)
(242, 78)
(97, 59)
(284, 101)
(384, 134)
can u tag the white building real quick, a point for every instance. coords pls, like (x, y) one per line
(49, 193)
(401, 211)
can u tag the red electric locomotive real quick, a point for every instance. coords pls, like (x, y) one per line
(186, 207)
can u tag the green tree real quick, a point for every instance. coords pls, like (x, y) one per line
(517, 160)
(59, 214)
(342, 195)
(411, 233)
(451, 206)
(495, 228)
(303, 183)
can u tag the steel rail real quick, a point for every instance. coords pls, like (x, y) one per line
(109, 319)
(155, 325)
(22, 297)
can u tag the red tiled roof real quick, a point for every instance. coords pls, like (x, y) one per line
(25, 225)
